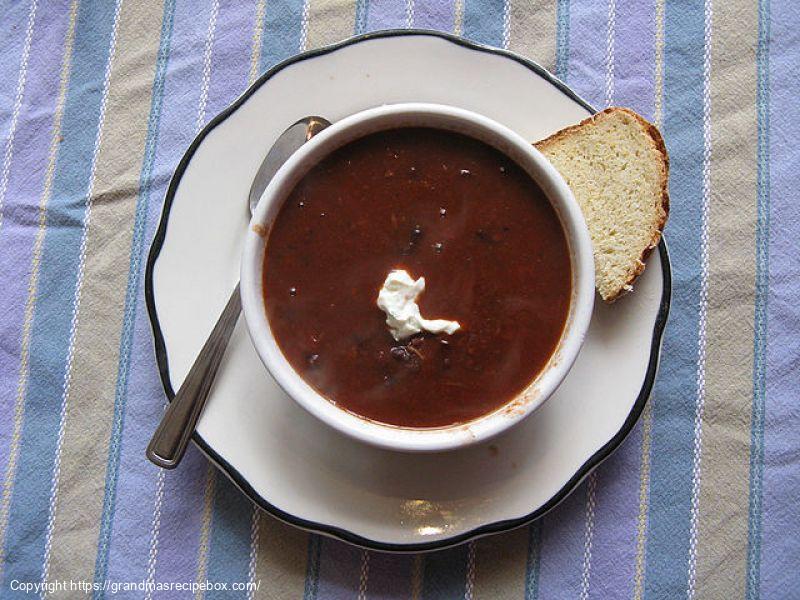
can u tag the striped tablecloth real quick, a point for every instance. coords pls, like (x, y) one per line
(98, 100)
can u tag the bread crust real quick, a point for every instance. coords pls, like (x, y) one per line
(658, 141)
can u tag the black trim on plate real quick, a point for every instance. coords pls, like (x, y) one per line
(347, 536)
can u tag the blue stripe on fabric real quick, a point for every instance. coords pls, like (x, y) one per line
(50, 336)
(483, 21)
(132, 295)
(760, 318)
(445, 574)
(562, 545)
(283, 24)
(533, 563)
(230, 538)
(562, 39)
(675, 392)
(585, 67)
(229, 48)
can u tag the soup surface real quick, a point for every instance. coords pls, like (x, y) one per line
(442, 206)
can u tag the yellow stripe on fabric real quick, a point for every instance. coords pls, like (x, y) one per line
(641, 520)
(659, 64)
(647, 413)
(500, 564)
(724, 481)
(281, 560)
(330, 21)
(205, 529)
(90, 407)
(458, 17)
(258, 33)
(417, 572)
(30, 303)
(533, 30)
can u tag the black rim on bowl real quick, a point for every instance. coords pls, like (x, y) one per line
(342, 534)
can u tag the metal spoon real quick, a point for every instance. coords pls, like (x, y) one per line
(168, 444)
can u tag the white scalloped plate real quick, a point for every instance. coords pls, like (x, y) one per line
(283, 458)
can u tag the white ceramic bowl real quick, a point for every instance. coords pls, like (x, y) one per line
(478, 127)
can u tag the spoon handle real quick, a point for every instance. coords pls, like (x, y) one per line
(169, 442)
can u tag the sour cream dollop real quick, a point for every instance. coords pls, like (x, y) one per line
(398, 299)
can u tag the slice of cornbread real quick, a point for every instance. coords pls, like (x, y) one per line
(617, 166)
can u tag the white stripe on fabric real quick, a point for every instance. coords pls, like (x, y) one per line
(409, 14)
(76, 301)
(251, 565)
(304, 26)
(610, 59)
(591, 488)
(155, 527)
(506, 23)
(588, 535)
(21, 79)
(33, 284)
(255, 55)
(701, 345)
(212, 27)
(469, 587)
(155, 530)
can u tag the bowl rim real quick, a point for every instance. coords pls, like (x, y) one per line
(538, 168)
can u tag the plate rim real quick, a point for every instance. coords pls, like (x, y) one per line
(331, 530)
